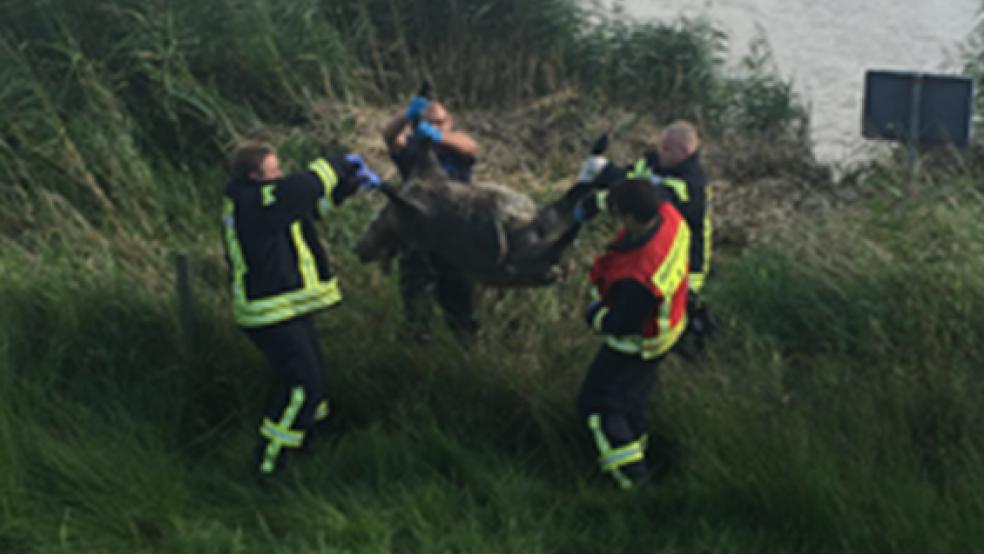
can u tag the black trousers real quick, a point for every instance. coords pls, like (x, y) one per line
(423, 277)
(613, 398)
(294, 352)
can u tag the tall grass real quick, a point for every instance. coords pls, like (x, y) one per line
(837, 412)
(103, 96)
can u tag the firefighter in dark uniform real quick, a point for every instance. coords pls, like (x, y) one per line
(676, 161)
(640, 290)
(281, 277)
(424, 274)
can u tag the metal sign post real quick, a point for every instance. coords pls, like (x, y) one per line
(912, 142)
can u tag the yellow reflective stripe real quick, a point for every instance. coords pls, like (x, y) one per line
(280, 434)
(594, 293)
(679, 188)
(321, 412)
(665, 314)
(326, 174)
(668, 278)
(696, 281)
(640, 170)
(657, 346)
(673, 270)
(267, 197)
(625, 345)
(601, 200)
(281, 307)
(604, 448)
(599, 318)
(285, 437)
(651, 347)
(305, 260)
(234, 251)
(623, 455)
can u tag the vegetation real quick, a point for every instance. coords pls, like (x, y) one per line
(838, 410)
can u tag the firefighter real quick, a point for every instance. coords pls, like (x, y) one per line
(639, 286)
(676, 161)
(281, 278)
(424, 275)
(675, 164)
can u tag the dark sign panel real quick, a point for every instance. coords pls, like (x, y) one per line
(938, 107)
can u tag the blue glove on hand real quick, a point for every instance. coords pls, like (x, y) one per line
(586, 208)
(591, 311)
(427, 131)
(364, 177)
(417, 106)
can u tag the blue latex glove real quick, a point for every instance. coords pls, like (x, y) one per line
(364, 176)
(579, 214)
(428, 131)
(586, 208)
(416, 107)
(591, 311)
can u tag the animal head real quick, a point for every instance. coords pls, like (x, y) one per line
(392, 229)
(382, 239)
(423, 160)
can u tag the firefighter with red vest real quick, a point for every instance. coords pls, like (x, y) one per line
(675, 164)
(280, 277)
(640, 290)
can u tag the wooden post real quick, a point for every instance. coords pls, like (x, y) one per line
(912, 142)
(186, 302)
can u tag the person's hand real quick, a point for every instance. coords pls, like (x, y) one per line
(591, 311)
(591, 168)
(586, 208)
(364, 176)
(416, 107)
(428, 131)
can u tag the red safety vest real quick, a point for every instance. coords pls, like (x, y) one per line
(661, 265)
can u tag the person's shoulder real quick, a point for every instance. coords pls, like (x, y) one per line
(237, 186)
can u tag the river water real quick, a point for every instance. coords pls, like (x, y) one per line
(824, 48)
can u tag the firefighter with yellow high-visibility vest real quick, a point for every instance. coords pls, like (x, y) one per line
(640, 289)
(281, 277)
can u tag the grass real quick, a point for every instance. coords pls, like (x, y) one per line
(837, 412)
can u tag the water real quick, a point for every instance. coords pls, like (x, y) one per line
(825, 46)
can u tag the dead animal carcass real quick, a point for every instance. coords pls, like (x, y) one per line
(492, 234)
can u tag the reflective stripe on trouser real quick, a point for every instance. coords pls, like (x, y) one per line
(280, 434)
(294, 352)
(616, 460)
(321, 412)
(613, 401)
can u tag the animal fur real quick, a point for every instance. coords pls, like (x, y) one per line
(493, 234)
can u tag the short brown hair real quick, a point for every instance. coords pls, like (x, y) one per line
(637, 198)
(248, 157)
